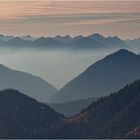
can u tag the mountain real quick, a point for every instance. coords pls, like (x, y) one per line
(111, 117)
(105, 76)
(28, 37)
(47, 43)
(63, 39)
(97, 41)
(17, 42)
(6, 37)
(94, 41)
(72, 108)
(115, 116)
(24, 117)
(33, 86)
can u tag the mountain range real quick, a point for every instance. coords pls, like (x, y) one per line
(112, 116)
(94, 41)
(32, 85)
(101, 103)
(103, 77)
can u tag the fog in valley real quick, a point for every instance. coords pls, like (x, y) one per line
(56, 67)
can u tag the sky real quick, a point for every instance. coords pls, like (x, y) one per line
(51, 18)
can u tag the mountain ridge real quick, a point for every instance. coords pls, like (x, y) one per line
(113, 116)
(105, 76)
(32, 85)
(94, 41)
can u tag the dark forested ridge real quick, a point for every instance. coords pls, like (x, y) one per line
(24, 117)
(114, 116)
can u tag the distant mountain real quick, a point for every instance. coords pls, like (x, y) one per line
(133, 44)
(105, 76)
(17, 42)
(6, 37)
(46, 43)
(72, 108)
(28, 37)
(112, 117)
(33, 86)
(94, 41)
(63, 39)
(97, 41)
(24, 117)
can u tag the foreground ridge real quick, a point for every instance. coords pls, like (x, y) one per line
(112, 116)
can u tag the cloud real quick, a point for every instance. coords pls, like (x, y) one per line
(43, 17)
(25, 9)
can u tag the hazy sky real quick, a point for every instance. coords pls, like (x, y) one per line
(49, 18)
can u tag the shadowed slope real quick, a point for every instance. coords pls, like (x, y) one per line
(105, 76)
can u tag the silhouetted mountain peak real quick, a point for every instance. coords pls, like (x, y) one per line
(114, 37)
(118, 58)
(123, 52)
(17, 39)
(28, 37)
(58, 37)
(63, 38)
(41, 38)
(78, 37)
(123, 55)
(67, 36)
(96, 36)
(105, 76)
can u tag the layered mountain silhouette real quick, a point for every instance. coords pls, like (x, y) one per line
(98, 41)
(33, 86)
(94, 41)
(105, 76)
(72, 108)
(29, 37)
(17, 42)
(6, 37)
(48, 43)
(112, 116)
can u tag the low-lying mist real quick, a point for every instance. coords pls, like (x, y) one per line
(57, 67)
